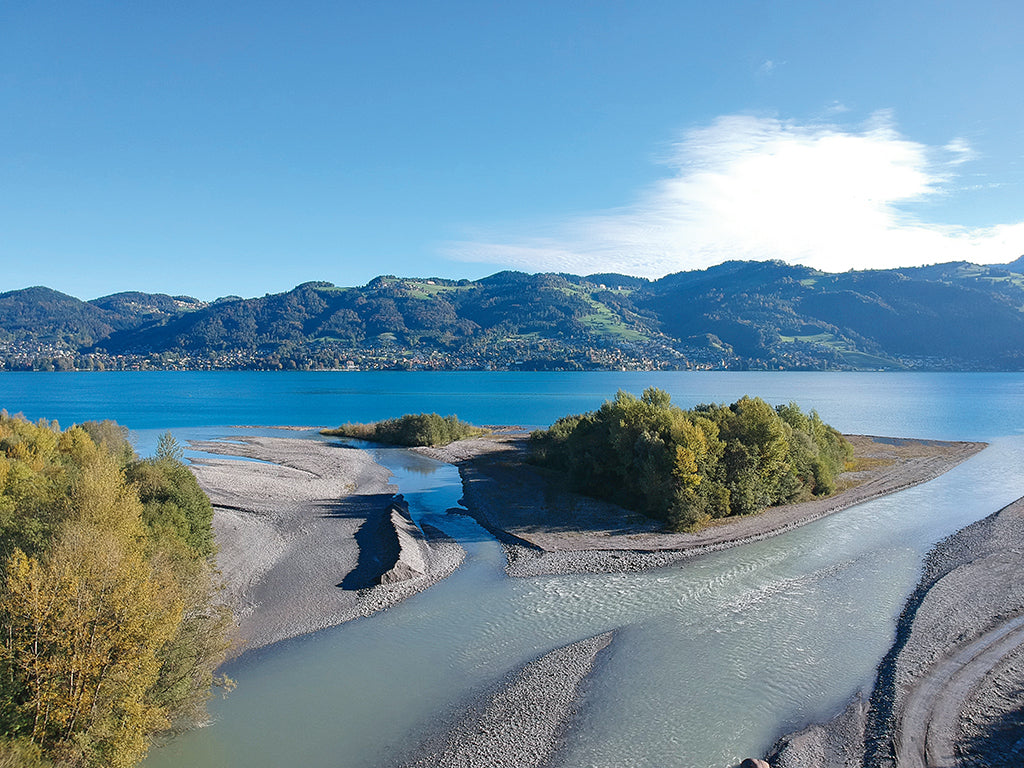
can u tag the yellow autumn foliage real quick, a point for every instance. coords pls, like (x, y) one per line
(92, 621)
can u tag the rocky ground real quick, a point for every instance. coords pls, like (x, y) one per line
(951, 690)
(305, 531)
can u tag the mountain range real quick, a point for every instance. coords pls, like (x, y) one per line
(737, 315)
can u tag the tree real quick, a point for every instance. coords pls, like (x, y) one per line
(167, 448)
(83, 625)
(109, 630)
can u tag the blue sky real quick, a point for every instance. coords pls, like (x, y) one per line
(212, 148)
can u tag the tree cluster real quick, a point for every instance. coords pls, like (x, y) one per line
(109, 631)
(688, 468)
(411, 429)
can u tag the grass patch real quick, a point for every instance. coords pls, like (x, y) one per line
(868, 463)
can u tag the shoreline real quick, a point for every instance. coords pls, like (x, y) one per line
(310, 535)
(550, 531)
(951, 688)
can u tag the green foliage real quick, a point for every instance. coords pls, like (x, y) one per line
(110, 631)
(690, 467)
(174, 507)
(411, 429)
(112, 437)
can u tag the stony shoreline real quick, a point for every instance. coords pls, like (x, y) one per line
(951, 689)
(311, 534)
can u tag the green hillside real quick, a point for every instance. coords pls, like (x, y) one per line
(735, 315)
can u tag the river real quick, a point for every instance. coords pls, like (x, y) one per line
(712, 659)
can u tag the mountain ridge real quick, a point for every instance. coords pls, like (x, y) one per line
(734, 315)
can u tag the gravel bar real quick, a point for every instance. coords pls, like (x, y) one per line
(305, 530)
(519, 725)
(951, 689)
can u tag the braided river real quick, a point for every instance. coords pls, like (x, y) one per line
(713, 659)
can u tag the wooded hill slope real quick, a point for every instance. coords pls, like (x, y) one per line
(736, 315)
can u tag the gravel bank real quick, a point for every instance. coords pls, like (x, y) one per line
(951, 689)
(548, 531)
(305, 529)
(519, 724)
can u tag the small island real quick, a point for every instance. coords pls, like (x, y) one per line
(687, 468)
(412, 429)
(552, 522)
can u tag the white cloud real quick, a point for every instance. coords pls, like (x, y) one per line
(757, 188)
(961, 151)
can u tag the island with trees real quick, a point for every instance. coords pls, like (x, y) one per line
(412, 429)
(689, 467)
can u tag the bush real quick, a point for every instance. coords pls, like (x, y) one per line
(421, 429)
(690, 467)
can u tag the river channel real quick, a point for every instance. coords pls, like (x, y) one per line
(712, 659)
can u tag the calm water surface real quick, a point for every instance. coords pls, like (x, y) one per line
(713, 659)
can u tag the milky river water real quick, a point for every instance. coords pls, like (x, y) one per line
(713, 658)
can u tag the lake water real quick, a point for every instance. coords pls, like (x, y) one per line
(712, 660)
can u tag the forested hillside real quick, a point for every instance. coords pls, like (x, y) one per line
(733, 316)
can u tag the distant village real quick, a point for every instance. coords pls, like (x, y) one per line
(510, 355)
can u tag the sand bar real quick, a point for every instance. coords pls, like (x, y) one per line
(306, 530)
(548, 530)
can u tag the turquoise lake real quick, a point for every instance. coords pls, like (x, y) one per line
(712, 660)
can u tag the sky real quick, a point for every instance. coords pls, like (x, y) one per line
(221, 148)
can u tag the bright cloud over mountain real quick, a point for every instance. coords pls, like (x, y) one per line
(746, 187)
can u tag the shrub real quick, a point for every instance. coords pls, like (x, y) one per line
(421, 429)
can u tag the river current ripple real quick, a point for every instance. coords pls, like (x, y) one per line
(713, 658)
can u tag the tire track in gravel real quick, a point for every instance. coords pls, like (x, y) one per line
(928, 726)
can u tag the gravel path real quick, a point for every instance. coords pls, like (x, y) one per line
(990, 724)
(519, 725)
(929, 726)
